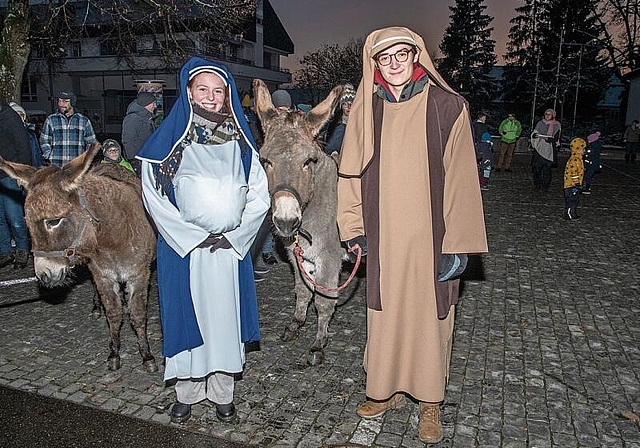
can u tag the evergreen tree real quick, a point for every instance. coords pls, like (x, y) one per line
(469, 52)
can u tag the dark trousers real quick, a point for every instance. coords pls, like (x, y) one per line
(588, 177)
(571, 200)
(541, 170)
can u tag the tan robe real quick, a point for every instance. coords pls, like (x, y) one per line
(409, 218)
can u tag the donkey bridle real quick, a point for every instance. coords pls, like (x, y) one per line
(70, 252)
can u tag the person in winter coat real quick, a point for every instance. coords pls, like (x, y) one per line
(204, 188)
(544, 139)
(14, 148)
(36, 153)
(112, 153)
(632, 139)
(480, 126)
(591, 160)
(510, 129)
(484, 155)
(334, 144)
(573, 176)
(408, 196)
(137, 126)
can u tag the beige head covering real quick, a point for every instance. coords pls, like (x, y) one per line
(357, 148)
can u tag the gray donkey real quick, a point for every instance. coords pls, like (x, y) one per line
(303, 187)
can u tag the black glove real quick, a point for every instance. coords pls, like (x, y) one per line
(214, 242)
(354, 243)
(451, 266)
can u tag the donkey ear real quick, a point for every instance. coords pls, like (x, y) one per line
(18, 171)
(263, 104)
(75, 170)
(319, 115)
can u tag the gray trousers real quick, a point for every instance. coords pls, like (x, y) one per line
(217, 387)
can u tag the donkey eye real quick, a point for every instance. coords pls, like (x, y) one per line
(52, 223)
(310, 161)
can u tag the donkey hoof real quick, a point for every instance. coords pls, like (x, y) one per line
(316, 357)
(150, 365)
(289, 334)
(113, 364)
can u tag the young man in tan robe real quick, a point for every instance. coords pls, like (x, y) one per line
(408, 194)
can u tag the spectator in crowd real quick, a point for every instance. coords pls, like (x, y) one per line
(112, 153)
(573, 177)
(138, 125)
(480, 126)
(591, 160)
(545, 137)
(632, 139)
(408, 196)
(14, 148)
(34, 144)
(510, 129)
(207, 194)
(484, 155)
(66, 134)
(281, 100)
(334, 144)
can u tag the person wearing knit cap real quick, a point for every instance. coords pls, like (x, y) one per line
(112, 153)
(591, 160)
(137, 126)
(408, 199)
(66, 134)
(545, 138)
(281, 100)
(334, 143)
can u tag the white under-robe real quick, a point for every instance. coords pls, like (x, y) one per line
(213, 276)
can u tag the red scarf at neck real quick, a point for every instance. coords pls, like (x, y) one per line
(418, 73)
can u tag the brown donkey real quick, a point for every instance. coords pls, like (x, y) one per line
(83, 215)
(303, 187)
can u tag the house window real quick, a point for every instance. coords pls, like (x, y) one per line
(29, 88)
(112, 47)
(74, 49)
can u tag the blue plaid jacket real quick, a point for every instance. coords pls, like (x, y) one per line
(64, 138)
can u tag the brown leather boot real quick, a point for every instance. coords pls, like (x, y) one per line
(373, 409)
(429, 426)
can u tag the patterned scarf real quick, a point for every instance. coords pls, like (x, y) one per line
(207, 128)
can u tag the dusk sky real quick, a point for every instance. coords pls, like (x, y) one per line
(313, 23)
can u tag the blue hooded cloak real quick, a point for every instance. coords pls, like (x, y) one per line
(177, 314)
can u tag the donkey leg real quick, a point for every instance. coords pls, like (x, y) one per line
(328, 274)
(111, 300)
(137, 297)
(303, 298)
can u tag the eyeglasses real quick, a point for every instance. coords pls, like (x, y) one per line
(400, 56)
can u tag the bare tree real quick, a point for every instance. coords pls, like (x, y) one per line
(323, 69)
(619, 22)
(171, 27)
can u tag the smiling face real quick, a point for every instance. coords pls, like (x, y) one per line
(397, 74)
(208, 91)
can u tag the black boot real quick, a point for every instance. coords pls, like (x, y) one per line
(180, 412)
(626, 158)
(226, 412)
(633, 158)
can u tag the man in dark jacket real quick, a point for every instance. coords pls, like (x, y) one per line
(137, 126)
(15, 148)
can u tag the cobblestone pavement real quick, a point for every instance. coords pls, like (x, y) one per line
(546, 350)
